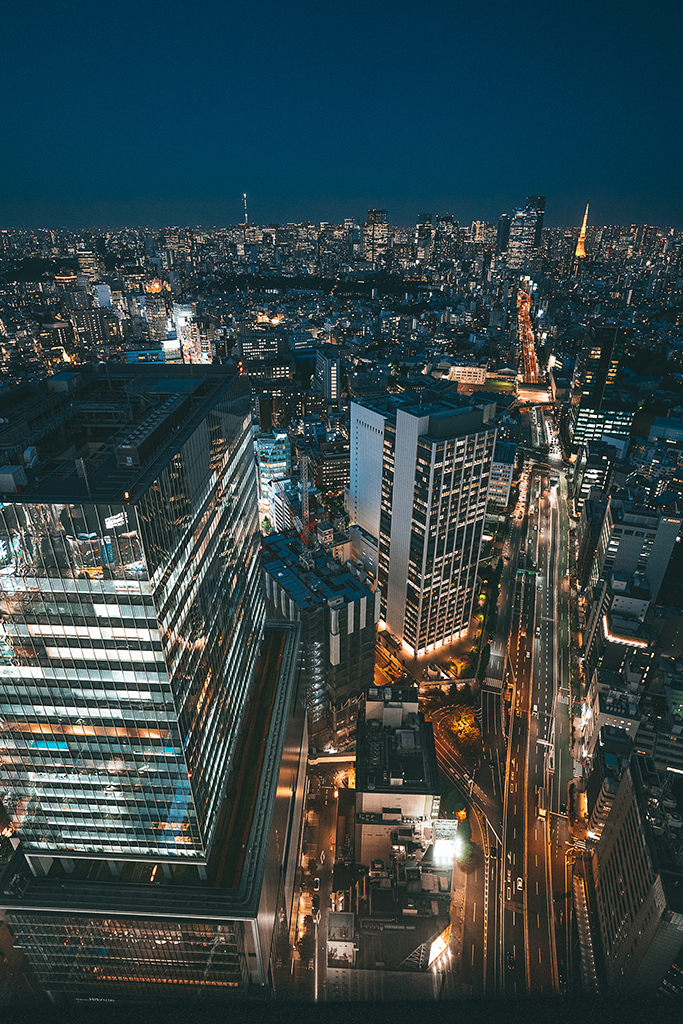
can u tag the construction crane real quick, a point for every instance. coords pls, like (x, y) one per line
(246, 215)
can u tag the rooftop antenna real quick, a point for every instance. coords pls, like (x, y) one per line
(246, 215)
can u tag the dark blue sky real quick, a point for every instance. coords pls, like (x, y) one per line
(157, 113)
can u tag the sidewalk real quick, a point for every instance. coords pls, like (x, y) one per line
(449, 652)
(458, 903)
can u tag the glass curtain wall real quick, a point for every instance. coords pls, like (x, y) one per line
(128, 636)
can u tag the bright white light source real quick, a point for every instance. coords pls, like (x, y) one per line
(445, 850)
(439, 946)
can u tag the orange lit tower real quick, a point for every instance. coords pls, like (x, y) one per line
(580, 252)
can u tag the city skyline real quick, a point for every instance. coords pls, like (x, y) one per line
(171, 118)
(359, 219)
(445, 465)
(341, 507)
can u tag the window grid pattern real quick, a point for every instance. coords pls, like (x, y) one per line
(106, 956)
(124, 661)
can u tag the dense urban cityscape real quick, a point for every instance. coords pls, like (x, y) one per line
(341, 642)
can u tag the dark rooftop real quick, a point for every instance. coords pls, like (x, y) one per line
(394, 744)
(105, 431)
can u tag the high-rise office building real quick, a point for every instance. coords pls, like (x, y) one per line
(524, 233)
(156, 928)
(639, 882)
(338, 616)
(156, 313)
(375, 235)
(596, 413)
(503, 233)
(603, 349)
(502, 470)
(635, 540)
(328, 372)
(131, 608)
(521, 239)
(537, 204)
(93, 329)
(419, 485)
(88, 262)
(274, 455)
(593, 468)
(185, 320)
(144, 752)
(333, 467)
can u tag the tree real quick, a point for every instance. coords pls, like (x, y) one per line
(266, 525)
(453, 802)
(466, 854)
(465, 831)
(306, 946)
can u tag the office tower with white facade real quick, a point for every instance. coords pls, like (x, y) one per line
(419, 486)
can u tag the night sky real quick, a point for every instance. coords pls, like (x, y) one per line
(162, 113)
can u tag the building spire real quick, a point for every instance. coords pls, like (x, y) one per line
(580, 245)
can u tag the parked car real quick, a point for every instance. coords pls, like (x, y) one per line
(316, 884)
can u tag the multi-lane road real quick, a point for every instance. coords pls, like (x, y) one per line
(538, 763)
(516, 927)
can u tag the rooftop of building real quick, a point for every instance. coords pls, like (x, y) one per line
(309, 575)
(619, 704)
(449, 414)
(105, 432)
(626, 511)
(232, 884)
(395, 750)
(505, 452)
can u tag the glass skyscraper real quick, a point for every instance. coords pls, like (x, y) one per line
(131, 608)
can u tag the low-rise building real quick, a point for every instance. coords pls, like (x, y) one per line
(396, 777)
